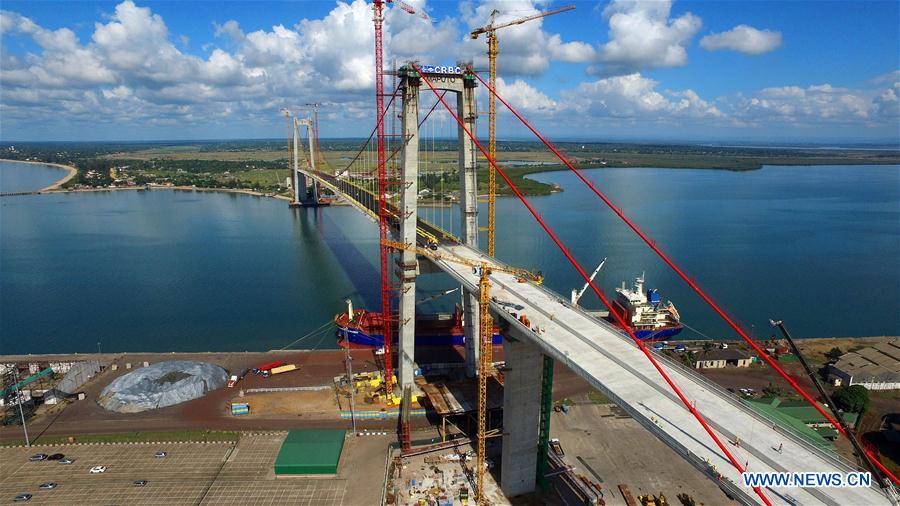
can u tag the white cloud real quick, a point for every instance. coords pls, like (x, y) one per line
(744, 39)
(525, 49)
(643, 36)
(131, 72)
(524, 97)
(634, 96)
(820, 104)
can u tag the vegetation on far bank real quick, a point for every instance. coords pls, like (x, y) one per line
(263, 165)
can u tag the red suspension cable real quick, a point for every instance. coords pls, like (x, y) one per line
(652, 244)
(596, 290)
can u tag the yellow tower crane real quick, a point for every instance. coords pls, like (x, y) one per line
(485, 339)
(493, 50)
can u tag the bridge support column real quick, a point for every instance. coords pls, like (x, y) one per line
(468, 204)
(299, 179)
(312, 196)
(408, 266)
(521, 416)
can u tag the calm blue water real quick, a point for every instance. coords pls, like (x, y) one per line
(162, 270)
(18, 177)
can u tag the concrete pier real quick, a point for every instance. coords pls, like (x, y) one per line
(521, 416)
(407, 265)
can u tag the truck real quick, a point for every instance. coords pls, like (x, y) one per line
(557, 447)
(233, 380)
(268, 366)
(278, 370)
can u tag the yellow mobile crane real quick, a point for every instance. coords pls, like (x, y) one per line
(485, 338)
(493, 50)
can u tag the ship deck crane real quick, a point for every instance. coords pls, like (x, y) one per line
(485, 339)
(576, 294)
(493, 50)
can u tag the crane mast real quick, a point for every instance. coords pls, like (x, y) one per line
(493, 51)
(378, 6)
(485, 341)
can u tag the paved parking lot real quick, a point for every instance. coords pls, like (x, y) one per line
(191, 473)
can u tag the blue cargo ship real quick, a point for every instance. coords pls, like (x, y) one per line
(365, 329)
(645, 313)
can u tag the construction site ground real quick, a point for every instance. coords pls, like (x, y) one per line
(192, 473)
(438, 478)
(610, 448)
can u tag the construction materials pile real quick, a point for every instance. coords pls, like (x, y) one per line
(160, 385)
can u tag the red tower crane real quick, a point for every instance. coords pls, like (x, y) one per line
(383, 214)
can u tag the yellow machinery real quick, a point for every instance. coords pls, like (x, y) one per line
(485, 339)
(493, 51)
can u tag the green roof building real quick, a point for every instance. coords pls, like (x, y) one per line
(310, 451)
(801, 417)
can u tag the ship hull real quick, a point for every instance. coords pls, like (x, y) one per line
(653, 335)
(365, 330)
(356, 338)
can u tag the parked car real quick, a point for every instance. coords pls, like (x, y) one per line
(22, 497)
(140, 483)
(232, 381)
(56, 456)
(98, 469)
(48, 485)
(160, 455)
(37, 457)
(66, 461)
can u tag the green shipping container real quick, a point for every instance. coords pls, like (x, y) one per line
(310, 451)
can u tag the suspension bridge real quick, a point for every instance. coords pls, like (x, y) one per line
(708, 426)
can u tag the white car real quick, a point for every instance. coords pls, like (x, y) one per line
(98, 469)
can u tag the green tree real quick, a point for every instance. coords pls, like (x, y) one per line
(834, 353)
(854, 398)
(771, 391)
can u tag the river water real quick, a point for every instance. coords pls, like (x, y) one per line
(163, 270)
(19, 177)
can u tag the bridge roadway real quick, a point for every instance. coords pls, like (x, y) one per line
(613, 364)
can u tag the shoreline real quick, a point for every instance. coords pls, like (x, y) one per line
(70, 172)
(118, 354)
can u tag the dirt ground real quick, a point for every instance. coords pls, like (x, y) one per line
(316, 368)
(319, 404)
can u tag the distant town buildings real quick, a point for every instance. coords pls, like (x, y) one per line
(719, 358)
(876, 367)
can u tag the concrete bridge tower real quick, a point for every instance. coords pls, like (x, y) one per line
(299, 180)
(453, 80)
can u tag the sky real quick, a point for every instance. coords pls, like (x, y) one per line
(760, 71)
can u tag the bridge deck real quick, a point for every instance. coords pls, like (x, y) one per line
(610, 362)
(613, 364)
